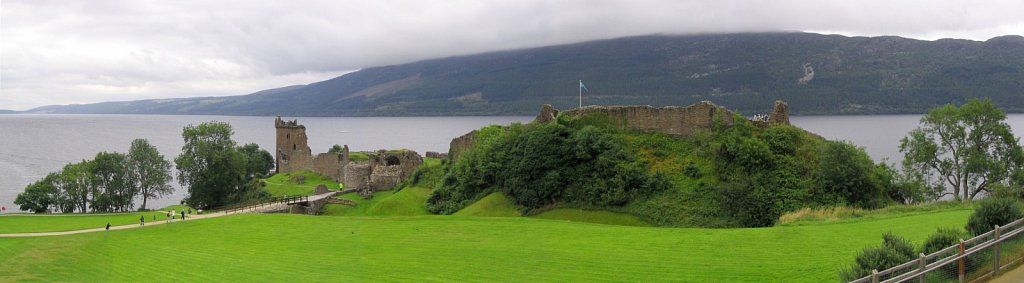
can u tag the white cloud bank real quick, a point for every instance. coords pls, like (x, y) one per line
(61, 52)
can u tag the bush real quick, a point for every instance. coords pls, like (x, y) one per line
(894, 251)
(993, 211)
(943, 238)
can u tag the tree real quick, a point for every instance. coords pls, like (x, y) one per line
(259, 162)
(215, 171)
(967, 148)
(846, 174)
(78, 183)
(112, 191)
(150, 172)
(39, 196)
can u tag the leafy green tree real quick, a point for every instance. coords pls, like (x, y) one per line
(259, 161)
(38, 197)
(967, 148)
(209, 165)
(150, 172)
(846, 174)
(112, 190)
(78, 183)
(335, 149)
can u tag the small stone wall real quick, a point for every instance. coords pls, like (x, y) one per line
(672, 120)
(330, 164)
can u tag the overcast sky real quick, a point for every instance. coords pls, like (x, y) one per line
(63, 52)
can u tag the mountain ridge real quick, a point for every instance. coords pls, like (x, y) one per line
(816, 74)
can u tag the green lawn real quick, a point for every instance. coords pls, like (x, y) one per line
(593, 216)
(282, 247)
(23, 223)
(407, 202)
(495, 204)
(281, 184)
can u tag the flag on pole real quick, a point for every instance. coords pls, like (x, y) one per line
(583, 87)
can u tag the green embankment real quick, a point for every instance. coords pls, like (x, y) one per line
(492, 205)
(281, 247)
(26, 223)
(592, 216)
(407, 202)
(283, 184)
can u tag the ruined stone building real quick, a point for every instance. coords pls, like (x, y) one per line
(679, 122)
(381, 170)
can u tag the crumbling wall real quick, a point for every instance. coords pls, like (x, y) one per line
(330, 164)
(461, 143)
(547, 114)
(357, 175)
(780, 114)
(385, 177)
(672, 120)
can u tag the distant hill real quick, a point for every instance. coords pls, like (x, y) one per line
(816, 74)
(2, 111)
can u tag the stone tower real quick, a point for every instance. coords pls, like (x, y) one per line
(292, 149)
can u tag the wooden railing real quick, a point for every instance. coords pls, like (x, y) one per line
(252, 205)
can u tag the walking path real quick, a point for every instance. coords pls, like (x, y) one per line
(1010, 276)
(261, 209)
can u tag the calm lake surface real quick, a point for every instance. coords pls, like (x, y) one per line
(33, 145)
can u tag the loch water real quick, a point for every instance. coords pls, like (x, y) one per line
(32, 145)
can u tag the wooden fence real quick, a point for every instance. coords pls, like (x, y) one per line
(968, 261)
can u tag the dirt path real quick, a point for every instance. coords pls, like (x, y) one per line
(192, 217)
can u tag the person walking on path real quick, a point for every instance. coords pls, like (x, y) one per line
(182, 214)
(142, 220)
(168, 215)
(108, 226)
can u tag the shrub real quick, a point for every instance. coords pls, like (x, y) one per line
(943, 238)
(993, 211)
(895, 250)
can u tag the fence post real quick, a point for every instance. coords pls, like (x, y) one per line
(995, 250)
(961, 260)
(920, 267)
(874, 276)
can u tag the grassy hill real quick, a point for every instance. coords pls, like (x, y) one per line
(406, 202)
(25, 223)
(816, 74)
(280, 247)
(284, 184)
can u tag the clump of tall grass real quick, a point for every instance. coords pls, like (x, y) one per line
(844, 213)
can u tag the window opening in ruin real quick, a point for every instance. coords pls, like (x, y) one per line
(287, 136)
(293, 147)
(284, 156)
(391, 160)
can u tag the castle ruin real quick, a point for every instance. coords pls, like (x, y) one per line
(381, 170)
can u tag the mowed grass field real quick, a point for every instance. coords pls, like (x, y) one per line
(282, 247)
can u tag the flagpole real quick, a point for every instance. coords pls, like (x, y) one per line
(581, 93)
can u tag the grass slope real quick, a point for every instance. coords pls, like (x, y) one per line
(495, 204)
(592, 216)
(407, 202)
(281, 184)
(25, 223)
(281, 247)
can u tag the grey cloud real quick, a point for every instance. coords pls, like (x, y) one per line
(65, 52)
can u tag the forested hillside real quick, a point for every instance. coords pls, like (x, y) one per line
(816, 74)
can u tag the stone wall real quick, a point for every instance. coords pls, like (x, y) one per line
(330, 165)
(780, 114)
(357, 175)
(461, 143)
(672, 120)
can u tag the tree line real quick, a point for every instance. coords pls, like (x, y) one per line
(212, 167)
(110, 182)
